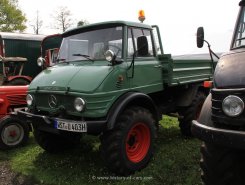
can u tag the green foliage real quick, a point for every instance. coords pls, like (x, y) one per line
(176, 162)
(82, 23)
(11, 17)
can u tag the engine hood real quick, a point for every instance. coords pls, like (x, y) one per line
(73, 77)
(230, 70)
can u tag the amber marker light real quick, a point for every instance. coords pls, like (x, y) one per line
(120, 78)
(141, 16)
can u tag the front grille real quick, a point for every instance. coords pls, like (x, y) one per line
(218, 116)
(17, 99)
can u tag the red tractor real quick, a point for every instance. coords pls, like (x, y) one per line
(11, 71)
(13, 132)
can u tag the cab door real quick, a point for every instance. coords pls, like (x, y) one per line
(145, 70)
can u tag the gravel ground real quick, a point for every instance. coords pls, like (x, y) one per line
(8, 177)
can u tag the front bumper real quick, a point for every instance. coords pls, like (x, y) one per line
(228, 138)
(47, 124)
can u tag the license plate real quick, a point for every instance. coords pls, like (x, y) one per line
(70, 126)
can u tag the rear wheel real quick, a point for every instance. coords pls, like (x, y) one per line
(222, 165)
(191, 113)
(53, 143)
(13, 132)
(129, 146)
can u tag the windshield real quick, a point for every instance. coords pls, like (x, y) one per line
(91, 45)
(239, 39)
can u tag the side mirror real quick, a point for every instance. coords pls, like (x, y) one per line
(200, 37)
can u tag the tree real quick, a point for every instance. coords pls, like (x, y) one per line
(37, 24)
(82, 22)
(11, 17)
(62, 19)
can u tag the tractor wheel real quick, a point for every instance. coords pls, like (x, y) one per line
(18, 81)
(13, 132)
(222, 165)
(129, 146)
(191, 113)
(53, 143)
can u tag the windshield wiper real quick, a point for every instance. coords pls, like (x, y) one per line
(240, 39)
(63, 60)
(85, 56)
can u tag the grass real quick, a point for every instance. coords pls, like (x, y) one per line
(176, 162)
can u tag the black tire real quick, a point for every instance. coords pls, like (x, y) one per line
(222, 165)
(18, 81)
(129, 146)
(191, 113)
(13, 133)
(54, 143)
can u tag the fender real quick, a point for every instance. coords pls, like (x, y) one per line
(206, 112)
(130, 99)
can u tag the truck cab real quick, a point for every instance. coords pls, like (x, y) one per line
(113, 80)
(221, 122)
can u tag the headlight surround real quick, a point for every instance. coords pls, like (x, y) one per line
(40, 61)
(29, 99)
(109, 55)
(79, 104)
(232, 106)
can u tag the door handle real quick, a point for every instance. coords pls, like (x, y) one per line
(158, 66)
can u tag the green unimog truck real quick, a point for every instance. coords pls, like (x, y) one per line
(114, 80)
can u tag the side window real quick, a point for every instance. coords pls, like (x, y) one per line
(240, 31)
(130, 43)
(140, 40)
(157, 41)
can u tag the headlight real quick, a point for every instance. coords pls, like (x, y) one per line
(232, 106)
(29, 99)
(79, 104)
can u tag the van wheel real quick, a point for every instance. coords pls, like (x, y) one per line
(53, 143)
(13, 133)
(191, 113)
(129, 146)
(222, 165)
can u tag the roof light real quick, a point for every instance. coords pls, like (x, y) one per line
(141, 16)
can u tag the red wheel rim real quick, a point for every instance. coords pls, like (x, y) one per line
(138, 142)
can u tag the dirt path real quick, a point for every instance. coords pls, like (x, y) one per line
(8, 177)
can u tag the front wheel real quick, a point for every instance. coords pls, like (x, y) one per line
(222, 165)
(129, 146)
(13, 133)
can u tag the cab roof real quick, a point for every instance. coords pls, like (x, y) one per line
(105, 25)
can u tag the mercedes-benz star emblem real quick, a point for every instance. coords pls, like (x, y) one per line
(52, 101)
